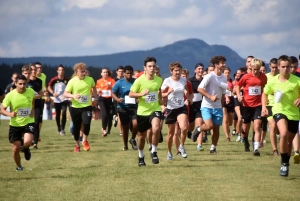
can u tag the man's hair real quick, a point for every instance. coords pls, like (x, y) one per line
(256, 62)
(199, 64)
(294, 60)
(174, 65)
(128, 67)
(149, 59)
(227, 68)
(263, 64)
(21, 77)
(273, 61)
(284, 58)
(243, 69)
(26, 68)
(250, 57)
(37, 63)
(216, 59)
(14, 74)
(137, 71)
(60, 66)
(185, 71)
(81, 66)
(120, 67)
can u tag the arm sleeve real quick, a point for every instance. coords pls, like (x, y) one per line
(204, 82)
(135, 86)
(69, 87)
(115, 88)
(164, 84)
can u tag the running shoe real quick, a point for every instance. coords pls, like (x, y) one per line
(213, 151)
(154, 157)
(247, 147)
(196, 134)
(86, 146)
(62, 133)
(20, 168)
(133, 144)
(150, 148)
(200, 148)
(35, 147)
(242, 140)
(275, 153)
(228, 139)
(256, 153)
(261, 143)
(204, 139)
(76, 149)
(104, 133)
(189, 134)
(141, 162)
(284, 170)
(125, 148)
(115, 120)
(161, 138)
(178, 153)
(233, 132)
(27, 154)
(169, 157)
(208, 132)
(183, 152)
(296, 158)
(238, 138)
(120, 134)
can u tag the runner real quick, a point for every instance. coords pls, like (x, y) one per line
(120, 75)
(43, 77)
(286, 88)
(104, 86)
(147, 89)
(264, 120)
(56, 87)
(228, 108)
(21, 104)
(127, 107)
(13, 78)
(176, 109)
(213, 88)
(253, 84)
(79, 89)
(272, 123)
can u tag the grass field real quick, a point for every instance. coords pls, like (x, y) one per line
(106, 172)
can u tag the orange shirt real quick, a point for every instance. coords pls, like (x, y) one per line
(105, 87)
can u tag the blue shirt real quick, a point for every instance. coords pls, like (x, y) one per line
(122, 88)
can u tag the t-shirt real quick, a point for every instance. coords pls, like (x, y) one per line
(211, 84)
(270, 96)
(290, 89)
(176, 98)
(122, 89)
(58, 86)
(22, 105)
(253, 88)
(43, 77)
(195, 84)
(148, 103)
(105, 87)
(8, 87)
(83, 88)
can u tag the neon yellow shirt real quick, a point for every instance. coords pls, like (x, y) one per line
(271, 96)
(83, 88)
(22, 105)
(291, 89)
(148, 103)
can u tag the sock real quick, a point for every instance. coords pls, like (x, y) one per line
(180, 146)
(153, 148)
(212, 147)
(199, 144)
(150, 145)
(141, 153)
(256, 145)
(284, 158)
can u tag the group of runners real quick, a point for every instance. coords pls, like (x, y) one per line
(192, 107)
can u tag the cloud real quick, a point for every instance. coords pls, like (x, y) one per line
(89, 42)
(69, 4)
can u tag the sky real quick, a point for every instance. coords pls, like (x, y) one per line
(262, 28)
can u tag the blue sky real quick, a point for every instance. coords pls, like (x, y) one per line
(263, 28)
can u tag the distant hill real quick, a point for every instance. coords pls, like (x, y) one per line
(187, 52)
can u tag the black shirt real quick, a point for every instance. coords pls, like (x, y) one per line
(195, 83)
(7, 89)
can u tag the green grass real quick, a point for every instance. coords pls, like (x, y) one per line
(106, 172)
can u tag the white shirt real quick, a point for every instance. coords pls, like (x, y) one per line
(211, 84)
(176, 98)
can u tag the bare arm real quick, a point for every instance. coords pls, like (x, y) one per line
(137, 95)
(8, 114)
(115, 97)
(264, 100)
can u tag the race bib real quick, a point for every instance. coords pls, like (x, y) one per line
(177, 101)
(129, 100)
(228, 92)
(23, 112)
(106, 92)
(83, 99)
(58, 89)
(254, 91)
(151, 97)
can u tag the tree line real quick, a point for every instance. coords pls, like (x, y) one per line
(50, 71)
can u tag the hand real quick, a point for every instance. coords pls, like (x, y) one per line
(214, 98)
(55, 94)
(227, 100)
(240, 98)
(77, 96)
(13, 114)
(146, 91)
(31, 114)
(170, 90)
(161, 102)
(120, 100)
(98, 90)
(297, 102)
(264, 112)
(186, 102)
(163, 108)
(191, 102)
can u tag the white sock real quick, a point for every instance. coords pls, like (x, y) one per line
(150, 145)
(199, 144)
(212, 147)
(153, 148)
(180, 146)
(198, 129)
(141, 153)
(256, 145)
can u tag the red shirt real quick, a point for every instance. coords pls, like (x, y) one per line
(190, 88)
(253, 88)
